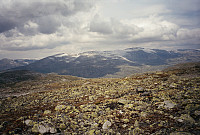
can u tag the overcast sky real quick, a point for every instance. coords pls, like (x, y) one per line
(39, 28)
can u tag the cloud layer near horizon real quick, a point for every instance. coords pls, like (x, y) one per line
(79, 25)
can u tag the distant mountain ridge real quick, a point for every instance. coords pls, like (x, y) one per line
(118, 63)
(10, 63)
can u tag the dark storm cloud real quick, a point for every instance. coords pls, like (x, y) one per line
(48, 14)
(48, 24)
(6, 24)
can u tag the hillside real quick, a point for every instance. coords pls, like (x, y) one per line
(109, 64)
(157, 103)
(10, 63)
(13, 83)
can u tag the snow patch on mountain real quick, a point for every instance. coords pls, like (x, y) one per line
(147, 50)
(61, 55)
(126, 59)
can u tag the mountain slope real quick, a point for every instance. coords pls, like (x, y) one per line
(154, 58)
(23, 81)
(89, 65)
(117, 63)
(159, 103)
(9, 63)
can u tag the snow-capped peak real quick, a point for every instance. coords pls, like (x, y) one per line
(89, 53)
(148, 50)
(61, 55)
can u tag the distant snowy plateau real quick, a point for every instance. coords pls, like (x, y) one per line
(94, 64)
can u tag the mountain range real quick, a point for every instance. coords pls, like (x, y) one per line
(94, 64)
(9, 63)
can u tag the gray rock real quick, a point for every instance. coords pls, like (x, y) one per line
(197, 113)
(29, 122)
(169, 104)
(35, 128)
(52, 130)
(106, 125)
(60, 107)
(42, 129)
(47, 112)
(146, 93)
(187, 118)
(123, 101)
(179, 120)
(140, 90)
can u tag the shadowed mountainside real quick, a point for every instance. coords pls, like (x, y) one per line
(9, 63)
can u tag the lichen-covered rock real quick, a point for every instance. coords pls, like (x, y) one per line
(42, 129)
(136, 124)
(94, 126)
(47, 112)
(29, 122)
(91, 132)
(197, 113)
(35, 128)
(106, 125)
(137, 131)
(60, 107)
(62, 126)
(143, 114)
(187, 118)
(123, 101)
(129, 106)
(140, 107)
(52, 130)
(168, 104)
(125, 120)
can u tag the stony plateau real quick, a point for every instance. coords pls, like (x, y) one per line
(158, 103)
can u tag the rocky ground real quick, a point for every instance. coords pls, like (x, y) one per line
(159, 103)
(16, 83)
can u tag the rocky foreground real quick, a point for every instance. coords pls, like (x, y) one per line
(160, 103)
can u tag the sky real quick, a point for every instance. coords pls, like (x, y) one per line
(39, 28)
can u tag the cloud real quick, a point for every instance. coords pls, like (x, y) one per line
(32, 24)
(112, 28)
(139, 30)
(185, 13)
(183, 6)
(45, 13)
(101, 26)
(88, 24)
(19, 41)
(155, 28)
(188, 36)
